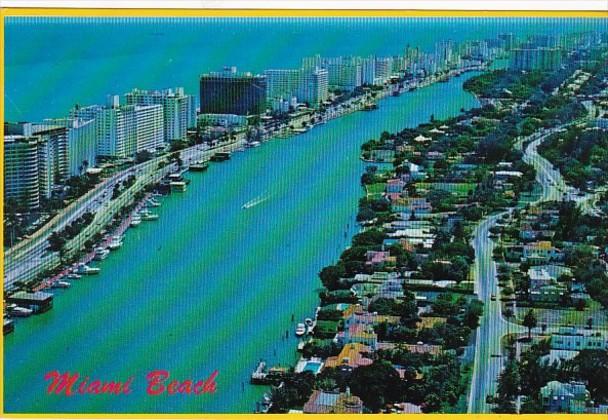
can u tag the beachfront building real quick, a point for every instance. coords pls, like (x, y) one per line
(179, 109)
(124, 130)
(21, 178)
(530, 58)
(35, 162)
(307, 85)
(344, 73)
(383, 69)
(230, 92)
(82, 142)
(507, 40)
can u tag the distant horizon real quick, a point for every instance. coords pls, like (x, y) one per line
(82, 60)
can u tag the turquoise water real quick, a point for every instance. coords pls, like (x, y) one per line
(53, 63)
(212, 286)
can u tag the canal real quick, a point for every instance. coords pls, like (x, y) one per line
(211, 285)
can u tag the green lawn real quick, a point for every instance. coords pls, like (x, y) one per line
(375, 189)
(459, 188)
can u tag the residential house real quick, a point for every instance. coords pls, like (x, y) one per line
(542, 252)
(323, 402)
(569, 338)
(352, 354)
(559, 397)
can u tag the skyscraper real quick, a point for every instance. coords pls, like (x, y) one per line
(81, 145)
(536, 58)
(508, 40)
(307, 85)
(229, 92)
(35, 161)
(21, 171)
(124, 130)
(179, 110)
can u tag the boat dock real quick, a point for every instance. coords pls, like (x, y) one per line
(272, 376)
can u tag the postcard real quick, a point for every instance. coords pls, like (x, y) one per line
(238, 212)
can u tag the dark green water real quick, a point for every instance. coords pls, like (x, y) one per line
(212, 286)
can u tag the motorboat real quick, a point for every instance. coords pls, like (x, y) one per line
(85, 269)
(115, 243)
(147, 216)
(152, 202)
(100, 254)
(73, 276)
(300, 329)
(135, 220)
(61, 285)
(310, 325)
(199, 166)
(18, 311)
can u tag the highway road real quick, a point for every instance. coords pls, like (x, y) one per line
(31, 256)
(488, 361)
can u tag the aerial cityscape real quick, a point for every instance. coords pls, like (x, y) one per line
(414, 221)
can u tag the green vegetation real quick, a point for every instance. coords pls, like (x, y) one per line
(580, 154)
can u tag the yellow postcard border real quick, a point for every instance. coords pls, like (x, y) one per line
(259, 13)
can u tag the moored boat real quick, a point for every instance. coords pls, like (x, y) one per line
(300, 329)
(116, 242)
(18, 311)
(199, 166)
(135, 220)
(85, 269)
(100, 254)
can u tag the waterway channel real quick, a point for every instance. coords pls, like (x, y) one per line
(213, 285)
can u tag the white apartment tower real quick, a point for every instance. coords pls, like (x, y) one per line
(179, 110)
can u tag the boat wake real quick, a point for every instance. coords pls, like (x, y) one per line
(258, 200)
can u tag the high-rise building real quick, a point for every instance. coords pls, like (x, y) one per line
(536, 58)
(124, 130)
(179, 110)
(282, 83)
(344, 75)
(307, 85)
(81, 144)
(384, 68)
(21, 170)
(508, 40)
(53, 150)
(368, 70)
(313, 87)
(229, 92)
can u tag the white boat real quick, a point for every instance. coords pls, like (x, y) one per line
(18, 311)
(310, 325)
(100, 254)
(153, 202)
(178, 186)
(255, 144)
(115, 243)
(73, 276)
(147, 216)
(254, 202)
(135, 220)
(61, 285)
(85, 269)
(300, 329)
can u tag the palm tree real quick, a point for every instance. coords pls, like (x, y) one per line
(530, 322)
